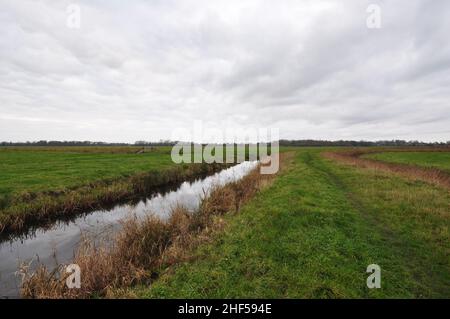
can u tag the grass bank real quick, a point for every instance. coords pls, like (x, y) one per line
(313, 232)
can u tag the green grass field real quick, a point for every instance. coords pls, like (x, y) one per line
(31, 170)
(440, 160)
(310, 234)
(36, 169)
(313, 233)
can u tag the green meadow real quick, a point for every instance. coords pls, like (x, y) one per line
(39, 169)
(440, 160)
(314, 231)
(310, 233)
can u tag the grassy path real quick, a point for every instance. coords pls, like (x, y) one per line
(396, 228)
(313, 233)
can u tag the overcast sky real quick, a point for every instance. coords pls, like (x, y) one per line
(137, 70)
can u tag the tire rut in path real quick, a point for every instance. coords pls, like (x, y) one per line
(400, 246)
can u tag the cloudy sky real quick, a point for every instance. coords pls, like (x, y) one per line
(139, 69)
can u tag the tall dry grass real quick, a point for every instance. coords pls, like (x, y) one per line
(431, 175)
(143, 246)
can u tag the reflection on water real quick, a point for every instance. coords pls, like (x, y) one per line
(57, 244)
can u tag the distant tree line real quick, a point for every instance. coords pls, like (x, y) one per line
(84, 143)
(282, 143)
(61, 143)
(359, 143)
(160, 143)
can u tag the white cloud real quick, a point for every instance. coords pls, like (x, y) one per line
(139, 69)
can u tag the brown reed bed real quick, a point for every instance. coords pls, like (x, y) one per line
(143, 247)
(430, 175)
(24, 211)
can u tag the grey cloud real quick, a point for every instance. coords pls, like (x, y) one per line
(138, 70)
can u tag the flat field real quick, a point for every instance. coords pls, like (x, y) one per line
(440, 160)
(314, 231)
(35, 169)
(40, 169)
(311, 232)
